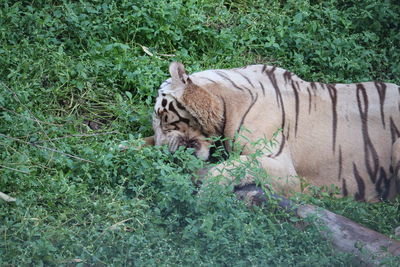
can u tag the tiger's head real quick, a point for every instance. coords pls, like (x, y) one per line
(175, 127)
(176, 122)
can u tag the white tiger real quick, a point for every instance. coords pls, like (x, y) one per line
(346, 135)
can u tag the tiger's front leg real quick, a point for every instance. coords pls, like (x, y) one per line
(280, 173)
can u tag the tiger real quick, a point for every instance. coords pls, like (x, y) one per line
(327, 134)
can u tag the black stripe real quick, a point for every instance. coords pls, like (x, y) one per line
(247, 111)
(309, 100)
(360, 195)
(396, 183)
(381, 88)
(287, 75)
(344, 188)
(262, 88)
(333, 95)
(382, 186)
(252, 101)
(278, 94)
(387, 188)
(225, 77)
(340, 163)
(369, 150)
(245, 77)
(396, 169)
(274, 83)
(225, 142)
(394, 131)
(263, 68)
(297, 107)
(172, 108)
(250, 93)
(208, 79)
(224, 116)
(180, 106)
(314, 88)
(187, 121)
(281, 146)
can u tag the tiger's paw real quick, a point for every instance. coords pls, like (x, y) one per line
(147, 141)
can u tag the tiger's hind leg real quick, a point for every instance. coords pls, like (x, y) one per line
(395, 179)
(282, 174)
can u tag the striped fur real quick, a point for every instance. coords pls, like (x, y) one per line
(347, 135)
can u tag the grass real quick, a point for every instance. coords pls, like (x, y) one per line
(80, 77)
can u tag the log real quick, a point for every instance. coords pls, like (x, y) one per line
(368, 246)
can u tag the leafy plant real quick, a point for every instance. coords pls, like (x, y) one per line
(79, 77)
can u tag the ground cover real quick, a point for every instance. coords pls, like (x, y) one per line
(77, 78)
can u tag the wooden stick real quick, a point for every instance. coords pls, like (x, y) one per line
(6, 198)
(368, 246)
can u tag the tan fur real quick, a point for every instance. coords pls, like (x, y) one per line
(331, 134)
(149, 141)
(204, 106)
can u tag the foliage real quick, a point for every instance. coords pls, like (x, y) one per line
(78, 77)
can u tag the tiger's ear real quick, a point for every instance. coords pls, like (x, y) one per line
(178, 73)
(179, 78)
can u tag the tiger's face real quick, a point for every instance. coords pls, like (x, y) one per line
(174, 126)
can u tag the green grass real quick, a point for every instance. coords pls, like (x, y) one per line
(71, 70)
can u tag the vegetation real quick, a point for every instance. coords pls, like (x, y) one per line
(79, 77)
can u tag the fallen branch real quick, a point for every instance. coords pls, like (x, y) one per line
(369, 247)
(76, 135)
(116, 225)
(46, 148)
(6, 197)
(12, 169)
